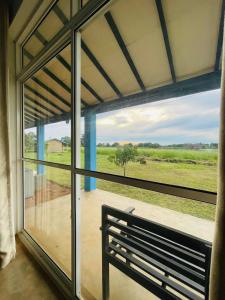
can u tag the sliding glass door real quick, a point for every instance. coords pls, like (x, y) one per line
(148, 127)
(124, 112)
(47, 140)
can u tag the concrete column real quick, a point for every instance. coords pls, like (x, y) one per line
(40, 146)
(90, 149)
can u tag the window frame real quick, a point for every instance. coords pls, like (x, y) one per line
(70, 34)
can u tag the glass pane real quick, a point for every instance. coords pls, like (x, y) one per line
(47, 111)
(163, 141)
(182, 214)
(30, 139)
(47, 216)
(58, 16)
(143, 115)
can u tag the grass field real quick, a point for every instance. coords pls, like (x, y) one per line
(190, 168)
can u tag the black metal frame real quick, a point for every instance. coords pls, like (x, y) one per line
(174, 259)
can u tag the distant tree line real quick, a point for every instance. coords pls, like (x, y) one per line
(31, 144)
(194, 146)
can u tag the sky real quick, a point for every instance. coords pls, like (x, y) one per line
(188, 119)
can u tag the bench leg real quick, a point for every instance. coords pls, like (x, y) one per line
(105, 279)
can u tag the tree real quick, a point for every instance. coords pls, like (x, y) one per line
(123, 155)
(100, 145)
(82, 140)
(115, 144)
(66, 140)
(30, 141)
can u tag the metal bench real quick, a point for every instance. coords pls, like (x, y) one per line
(167, 262)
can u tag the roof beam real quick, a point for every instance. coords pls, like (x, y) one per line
(123, 48)
(28, 124)
(84, 83)
(68, 67)
(32, 115)
(96, 63)
(50, 74)
(198, 84)
(63, 62)
(40, 37)
(43, 114)
(28, 55)
(57, 118)
(64, 20)
(89, 88)
(220, 38)
(43, 98)
(56, 79)
(84, 102)
(50, 91)
(28, 118)
(166, 38)
(60, 14)
(39, 104)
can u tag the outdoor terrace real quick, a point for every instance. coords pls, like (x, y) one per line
(49, 223)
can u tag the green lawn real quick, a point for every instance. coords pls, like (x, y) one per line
(190, 168)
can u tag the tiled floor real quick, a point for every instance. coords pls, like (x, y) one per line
(23, 279)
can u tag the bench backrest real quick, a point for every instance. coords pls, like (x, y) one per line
(167, 262)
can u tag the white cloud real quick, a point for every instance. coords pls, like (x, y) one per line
(190, 118)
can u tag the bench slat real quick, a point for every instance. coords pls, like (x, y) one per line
(189, 248)
(150, 285)
(192, 284)
(175, 250)
(162, 230)
(162, 278)
(171, 256)
(199, 278)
